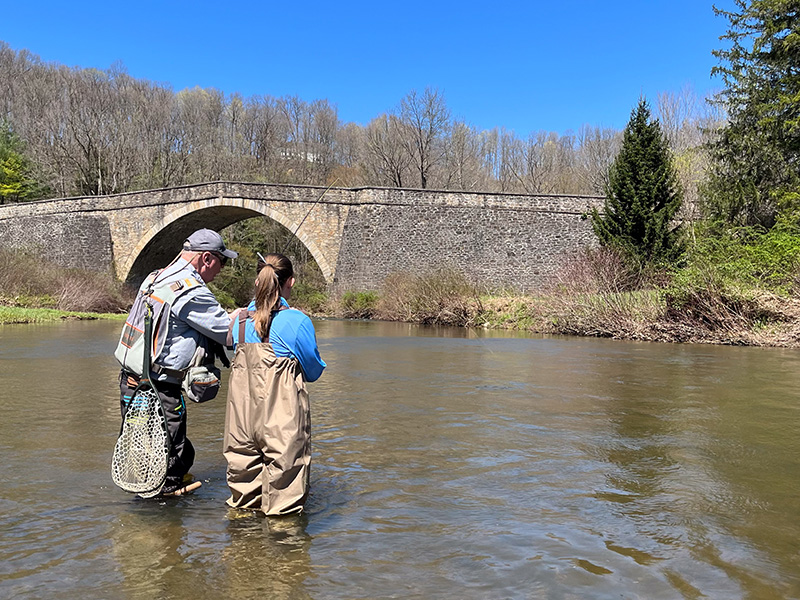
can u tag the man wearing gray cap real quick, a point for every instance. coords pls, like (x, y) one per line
(188, 322)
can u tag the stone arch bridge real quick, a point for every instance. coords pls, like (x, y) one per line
(356, 235)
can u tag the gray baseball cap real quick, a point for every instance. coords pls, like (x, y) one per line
(208, 240)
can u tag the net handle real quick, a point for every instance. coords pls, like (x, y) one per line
(148, 343)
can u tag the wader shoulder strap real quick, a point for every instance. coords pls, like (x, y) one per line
(243, 316)
(248, 314)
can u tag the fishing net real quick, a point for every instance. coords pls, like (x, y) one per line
(139, 464)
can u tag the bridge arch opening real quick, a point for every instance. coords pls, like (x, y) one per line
(163, 241)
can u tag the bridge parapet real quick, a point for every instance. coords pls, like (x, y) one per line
(411, 197)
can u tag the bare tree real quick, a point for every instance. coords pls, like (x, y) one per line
(425, 119)
(310, 137)
(596, 149)
(688, 123)
(324, 125)
(97, 133)
(463, 154)
(161, 160)
(268, 137)
(508, 153)
(350, 147)
(386, 159)
(199, 119)
(14, 70)
(530, 162)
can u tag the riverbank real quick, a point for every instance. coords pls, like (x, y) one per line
(629, 316)
(645, 316)
(592, 296)
(672, 312)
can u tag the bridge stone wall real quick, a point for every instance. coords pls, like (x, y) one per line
(357, 236)
(500, 246)
(79, 240)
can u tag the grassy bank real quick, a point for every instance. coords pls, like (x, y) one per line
(35, 291)
(27, 280)
(642, 315)
(15, 314)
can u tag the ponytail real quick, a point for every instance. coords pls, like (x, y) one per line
(277, 270)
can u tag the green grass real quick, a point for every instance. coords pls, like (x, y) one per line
(359, 305)
(509, 312)
(13, 314)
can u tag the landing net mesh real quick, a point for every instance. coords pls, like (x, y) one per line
(139, 464)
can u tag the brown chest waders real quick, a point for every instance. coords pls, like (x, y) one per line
(267, 439)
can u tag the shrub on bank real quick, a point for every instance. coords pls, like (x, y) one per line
(605, 314)
(738, 279)
(441, 296)
(600, 292)
(28, 280)
(309, 297)
(599, 270)
(359, 305)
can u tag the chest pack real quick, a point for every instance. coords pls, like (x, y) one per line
(201, 382)
(157, 295)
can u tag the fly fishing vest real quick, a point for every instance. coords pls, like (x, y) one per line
(157, 295)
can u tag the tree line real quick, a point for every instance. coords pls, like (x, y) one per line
(67, 131)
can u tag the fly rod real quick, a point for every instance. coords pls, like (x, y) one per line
(294, 235)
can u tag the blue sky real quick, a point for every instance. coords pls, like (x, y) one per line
(524, 66)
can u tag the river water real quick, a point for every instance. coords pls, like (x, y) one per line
(447, 464)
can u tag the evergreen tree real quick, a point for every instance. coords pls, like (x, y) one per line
(642, 196)
(755, 160)
(16, 183)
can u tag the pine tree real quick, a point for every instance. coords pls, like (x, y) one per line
(754, 171)
(642, 196)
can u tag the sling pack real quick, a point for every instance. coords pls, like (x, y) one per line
(159, 290)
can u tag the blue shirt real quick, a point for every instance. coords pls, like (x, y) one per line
(291, 335)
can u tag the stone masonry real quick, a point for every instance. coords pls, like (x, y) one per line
(357, 235)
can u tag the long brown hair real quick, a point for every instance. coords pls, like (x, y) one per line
(277, 270)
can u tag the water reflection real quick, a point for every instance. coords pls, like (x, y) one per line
(150, 548)
(266, 557)
(159, 553)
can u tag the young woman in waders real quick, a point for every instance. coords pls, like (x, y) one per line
(268, 421)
